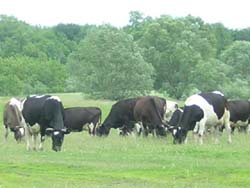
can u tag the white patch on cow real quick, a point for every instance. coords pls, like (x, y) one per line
(174, 132)
(55, 98)
(22, 103)
(21, 131)
(15, 102)
(218, 92)
(210, 116)
(171, 106)
(56, 133)
(91, 127)
(37, 96)
(138, 127)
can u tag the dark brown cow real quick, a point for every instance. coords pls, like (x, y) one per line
(120, 116)
(75, 118)
(13, 120)
(150, 112)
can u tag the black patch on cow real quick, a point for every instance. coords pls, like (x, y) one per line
(218, 102)
(191, 115)
(175, 118)
(239, 110)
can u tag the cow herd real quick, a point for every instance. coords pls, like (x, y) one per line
(45, 115)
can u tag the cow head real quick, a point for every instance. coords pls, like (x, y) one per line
(57, 137)
(161, 130)
(102, 130)
(19, 134)
(191, 115)
(179, 135)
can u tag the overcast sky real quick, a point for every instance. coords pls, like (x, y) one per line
(232, 13)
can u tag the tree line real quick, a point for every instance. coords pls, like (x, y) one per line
(175, 56)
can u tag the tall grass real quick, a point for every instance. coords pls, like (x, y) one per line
(116, 161)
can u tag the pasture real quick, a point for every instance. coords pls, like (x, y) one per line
(116, 161)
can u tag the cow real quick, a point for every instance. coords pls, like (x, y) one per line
(77, 117)
(120, 115)
(150, 111)
(47, 111)
(204, 110)
(13, 119)
(239, 114)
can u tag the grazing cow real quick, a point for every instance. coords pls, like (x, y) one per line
(149, 111)
(48, 112)
(120, 115)
(77, 117)
(203, 110)
(13, 119)
(239, 113)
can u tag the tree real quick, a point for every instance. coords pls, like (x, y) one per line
(25, 75)
(110, 65)
(237, 57)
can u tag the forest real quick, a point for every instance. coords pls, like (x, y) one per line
(174, 56)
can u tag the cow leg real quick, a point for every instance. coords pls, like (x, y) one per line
(248, 129)
(227, 126)
(91, 128)
(6, 133)
(35, 141)
(41, 143)
(138, 128)
(201, 130)
(42, 138)
(229, 133)
(145, 130)
(195, 132)
(27, 137)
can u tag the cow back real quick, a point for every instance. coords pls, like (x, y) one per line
(32, 108)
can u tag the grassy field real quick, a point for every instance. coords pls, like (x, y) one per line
(124, 162)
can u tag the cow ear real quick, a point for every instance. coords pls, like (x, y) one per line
(49, 131)
(66, 131)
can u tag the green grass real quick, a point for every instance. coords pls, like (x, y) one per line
(124, 162)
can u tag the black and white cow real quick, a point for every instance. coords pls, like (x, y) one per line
(47, 111)
(78, 117)
(150, 111)
(121, 115)
(203, 110)
(13, 119)
(239, 113)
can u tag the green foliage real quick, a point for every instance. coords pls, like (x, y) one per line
(237, 57)
(109, 65)
(175, 56)
(24, 75)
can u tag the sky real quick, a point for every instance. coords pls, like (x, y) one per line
(231, 13)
